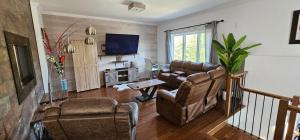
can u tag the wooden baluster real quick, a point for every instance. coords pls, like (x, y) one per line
(280, 122)
(292, 119)
(228, 95)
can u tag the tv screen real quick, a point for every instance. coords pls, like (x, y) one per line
(121, 44)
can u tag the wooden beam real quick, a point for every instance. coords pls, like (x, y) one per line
(292, 119)
(280, 122)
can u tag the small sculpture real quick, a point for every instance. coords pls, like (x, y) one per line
(90, 31)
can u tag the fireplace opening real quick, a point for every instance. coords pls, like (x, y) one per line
(21, 63)
(26, 72)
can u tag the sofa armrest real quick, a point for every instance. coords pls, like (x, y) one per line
(179, 73)
(173, 76)
(164, 70)
(167, 95)
(132, 110)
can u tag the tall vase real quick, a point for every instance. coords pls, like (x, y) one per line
(64, 85)
(50, 93)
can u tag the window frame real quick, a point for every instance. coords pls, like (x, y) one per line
(184, 46)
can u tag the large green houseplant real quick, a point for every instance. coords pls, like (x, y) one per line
(231, 54)
(232, 57)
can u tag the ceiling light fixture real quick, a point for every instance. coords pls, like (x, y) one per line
(136, 7)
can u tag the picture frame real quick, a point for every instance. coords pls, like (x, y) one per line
(295, 30)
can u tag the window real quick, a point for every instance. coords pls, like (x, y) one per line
(189, 46)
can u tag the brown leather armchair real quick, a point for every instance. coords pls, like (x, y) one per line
(183, 105)
(92, 119)
(218, 79)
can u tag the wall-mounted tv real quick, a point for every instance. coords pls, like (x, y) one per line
(121, 44)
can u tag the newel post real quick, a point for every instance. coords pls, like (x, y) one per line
(292, 119)
(228, 94)
(280, 122)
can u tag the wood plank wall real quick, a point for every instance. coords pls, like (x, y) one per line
(147, 46)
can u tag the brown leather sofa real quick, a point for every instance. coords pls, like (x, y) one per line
(195, 96)
(179, 70)
(92, 119)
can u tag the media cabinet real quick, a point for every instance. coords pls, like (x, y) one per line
(120, 76)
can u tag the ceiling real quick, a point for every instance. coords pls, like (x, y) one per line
(156, 10)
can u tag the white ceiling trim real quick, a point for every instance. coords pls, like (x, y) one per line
(94, 17)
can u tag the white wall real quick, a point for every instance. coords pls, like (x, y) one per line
(38, 24)
(272, 67)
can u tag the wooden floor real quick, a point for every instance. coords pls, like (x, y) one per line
(153, 127)
(231, 133)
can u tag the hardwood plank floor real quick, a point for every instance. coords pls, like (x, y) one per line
(151, 126)
(231, 133)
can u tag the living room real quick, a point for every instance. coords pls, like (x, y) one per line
(101, 69)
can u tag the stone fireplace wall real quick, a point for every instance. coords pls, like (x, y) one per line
(15, 17)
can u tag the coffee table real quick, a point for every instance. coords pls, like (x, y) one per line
(144, 87)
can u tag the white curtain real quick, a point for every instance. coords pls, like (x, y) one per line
(211, 34)
(169, 52)
(169, 39)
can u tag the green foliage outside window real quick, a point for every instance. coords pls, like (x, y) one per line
(192, 50)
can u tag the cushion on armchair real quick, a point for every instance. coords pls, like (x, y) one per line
(88, 106)
(220, 71)
(198, 77)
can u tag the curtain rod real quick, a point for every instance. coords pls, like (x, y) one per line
(195, 25)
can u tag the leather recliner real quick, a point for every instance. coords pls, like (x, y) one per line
(178, 71)
(183, 105)
(195, 96)
(92, 119)
(218, 78)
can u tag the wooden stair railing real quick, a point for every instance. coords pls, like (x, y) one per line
(236, 102)
(283, 109)
(230, 90)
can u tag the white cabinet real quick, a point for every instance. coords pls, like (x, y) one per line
(111, 78)
(85, 61)
(133, 74)
(120, 76)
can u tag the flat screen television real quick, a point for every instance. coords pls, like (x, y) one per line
(121, 44)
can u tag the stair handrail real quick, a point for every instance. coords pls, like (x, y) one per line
(235, 89)
(238, 78)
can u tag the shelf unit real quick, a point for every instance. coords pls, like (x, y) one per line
(104, 55)
(120, 76)
(122, 61)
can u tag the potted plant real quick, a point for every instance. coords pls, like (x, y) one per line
(56, 56)
(232, 56)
